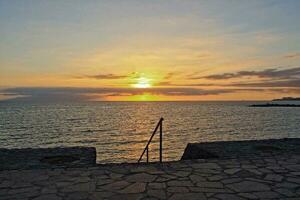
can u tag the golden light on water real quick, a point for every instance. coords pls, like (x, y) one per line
(145, 97)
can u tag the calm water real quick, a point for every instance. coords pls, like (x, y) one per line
(120, 130)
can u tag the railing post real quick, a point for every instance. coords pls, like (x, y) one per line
(160, 141)
(147, 153)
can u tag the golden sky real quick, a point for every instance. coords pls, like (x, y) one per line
(147, 51)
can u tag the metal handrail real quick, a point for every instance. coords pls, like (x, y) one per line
(159, 125)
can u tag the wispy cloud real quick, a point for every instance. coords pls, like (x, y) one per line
(293, 55)
(103, 76)
(169, 83)
(72, 94)
(278, 84)
(169, 75)
(273, 73)
(86, 94)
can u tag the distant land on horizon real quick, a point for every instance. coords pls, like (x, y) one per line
(288, 99)
(283, 102)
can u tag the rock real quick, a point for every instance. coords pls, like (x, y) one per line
(49, 190)
(285, 192)
(209, 190)
(189, 196)
(294, 180)
(248, 186)
(182, 173)
(267, 195)
(228, 197)
(157, 185)
(101, 195)
(160, 194)
(48, 197)
(141, 177)
(287, 185)
(215, 178)
(116, 185)
(197, 178)
(231, 180)
(178, 189)
(127, 197)
(274, 177)
(78, 196)
(210, 185)
(134, 188)
(80, 187)
(180, 183)
(6, 184)
(248, 195)
(205, 166)
(232, 171)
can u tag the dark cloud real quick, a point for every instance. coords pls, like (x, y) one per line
(295, 83)
(294, 55)
(169, 75)
(169, 83)
(277, 78)
(37, 94)
(268, 74)
(276, 84)
(103, 76)
(165, 83)
(86, 94)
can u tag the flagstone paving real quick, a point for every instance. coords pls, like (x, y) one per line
(258, 177)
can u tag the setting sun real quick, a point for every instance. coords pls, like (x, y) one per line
(142, 82)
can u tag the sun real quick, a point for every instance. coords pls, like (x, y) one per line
(142, 82)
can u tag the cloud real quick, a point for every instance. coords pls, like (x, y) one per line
(169, 83)
(276, 78)
(285, 83)
(103, 76)
(169, 75)
(293, 55)
(86, 94)
(276, 84)
(72, 94)
(268, 73)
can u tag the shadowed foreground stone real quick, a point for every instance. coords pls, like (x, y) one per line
(213, 179)
(265, 175)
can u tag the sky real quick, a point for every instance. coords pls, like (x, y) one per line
(149, 50)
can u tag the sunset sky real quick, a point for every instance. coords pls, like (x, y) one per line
(135, 50)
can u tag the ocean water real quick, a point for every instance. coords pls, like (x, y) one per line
(120, 130)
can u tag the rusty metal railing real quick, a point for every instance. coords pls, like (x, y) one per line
(146, 149)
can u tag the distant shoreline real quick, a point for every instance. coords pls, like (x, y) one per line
(274, 105)
(287, 99)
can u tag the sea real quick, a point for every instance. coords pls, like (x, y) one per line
(120, 130)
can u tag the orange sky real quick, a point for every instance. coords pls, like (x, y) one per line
(141, 51)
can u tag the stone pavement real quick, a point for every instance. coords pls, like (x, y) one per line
(260, 177)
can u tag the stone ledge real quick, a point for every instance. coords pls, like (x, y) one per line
(237, 149)
(47, 157)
